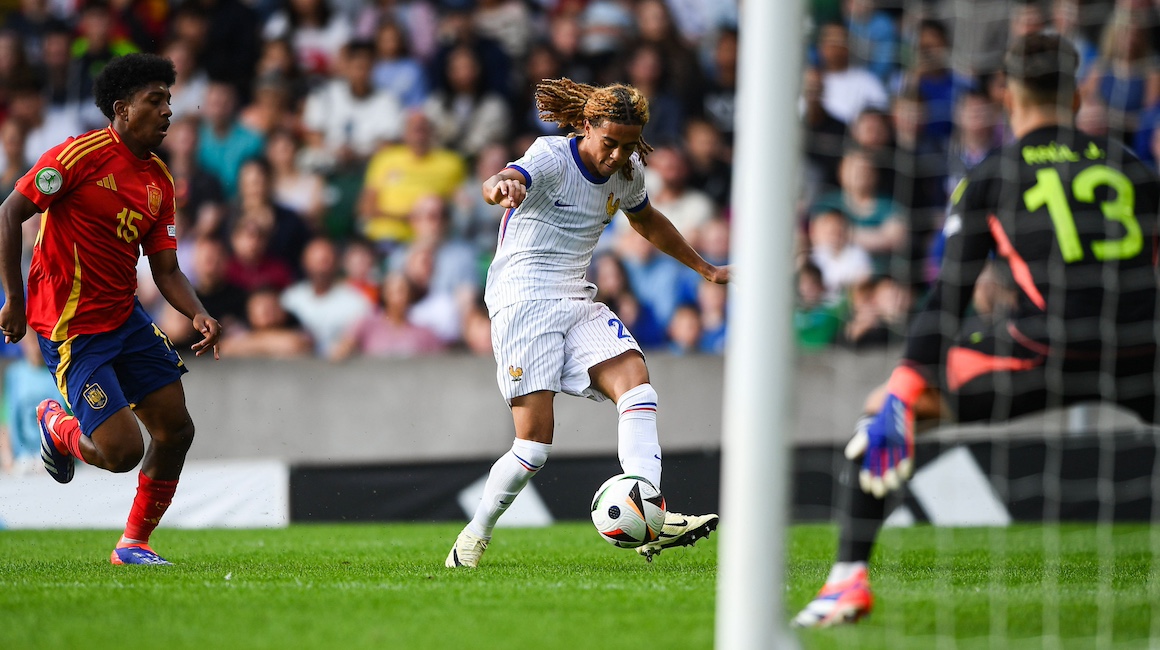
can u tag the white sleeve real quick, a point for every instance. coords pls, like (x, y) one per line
(540, 166)
(637, 197)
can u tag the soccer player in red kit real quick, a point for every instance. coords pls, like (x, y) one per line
(105, 199)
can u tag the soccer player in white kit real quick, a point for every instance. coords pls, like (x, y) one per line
(547, 334)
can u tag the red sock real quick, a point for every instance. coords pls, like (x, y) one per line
(67, 432)
(152, 500)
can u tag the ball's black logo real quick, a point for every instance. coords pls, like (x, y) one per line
(614, 512)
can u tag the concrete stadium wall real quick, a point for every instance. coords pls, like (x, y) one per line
(439, 408)
(448, 408)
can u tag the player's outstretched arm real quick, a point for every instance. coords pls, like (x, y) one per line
(179, 292)
(505, 189)
(15, 210)
(656, 227)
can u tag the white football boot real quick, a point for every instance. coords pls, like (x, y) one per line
(467, 550)
(680, 530)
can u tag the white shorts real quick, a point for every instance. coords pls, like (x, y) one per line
(551, 345)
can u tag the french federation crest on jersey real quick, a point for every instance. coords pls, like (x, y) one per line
(516, 372)
(154, 199)
(95, 396)
(48, 180)
(611, 206)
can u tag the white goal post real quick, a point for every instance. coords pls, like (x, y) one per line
(760, 353)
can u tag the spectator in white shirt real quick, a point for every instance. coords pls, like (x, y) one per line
(666, 179)
(848, 89)
(325, 305)
(46, 127)
(439, 311)
(842, 262)
(347, 120)
(316, 31)
(466, 116)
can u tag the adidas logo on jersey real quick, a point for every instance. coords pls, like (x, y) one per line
(108, 183)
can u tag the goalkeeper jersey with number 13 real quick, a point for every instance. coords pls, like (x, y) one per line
(1071, 223)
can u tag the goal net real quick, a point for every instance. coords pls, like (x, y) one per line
(1033, 525)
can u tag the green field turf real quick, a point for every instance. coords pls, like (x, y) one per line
(372, 586)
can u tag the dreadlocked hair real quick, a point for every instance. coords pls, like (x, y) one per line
(569, 104)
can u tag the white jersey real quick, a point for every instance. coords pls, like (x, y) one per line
(545, 245)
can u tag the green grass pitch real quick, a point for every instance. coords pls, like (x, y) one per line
(384, 586)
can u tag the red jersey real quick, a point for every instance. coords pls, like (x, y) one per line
(102, 206)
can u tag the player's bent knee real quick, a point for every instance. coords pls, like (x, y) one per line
(179, 437)
(123, 458)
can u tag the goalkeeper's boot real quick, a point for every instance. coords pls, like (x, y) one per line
(837, 603)
(136, 554)
(680, 530)
(57, 460)
(467, 550)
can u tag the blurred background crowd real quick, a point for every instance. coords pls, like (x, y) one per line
(899, 101)
(328, 154)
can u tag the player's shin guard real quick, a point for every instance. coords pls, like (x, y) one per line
(638, 446)
(508, 476)
(861, 517)
(152, 500)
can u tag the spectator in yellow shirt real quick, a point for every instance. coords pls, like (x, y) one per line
(399, 175)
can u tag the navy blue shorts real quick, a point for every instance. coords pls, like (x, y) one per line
(99, 374)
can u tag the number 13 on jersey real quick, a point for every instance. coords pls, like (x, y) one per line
(1049, 191)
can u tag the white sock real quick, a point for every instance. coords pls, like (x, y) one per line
(638, 447)
(508, 476)
(843, 570)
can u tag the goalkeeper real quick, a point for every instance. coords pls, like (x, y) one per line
(1071, 222)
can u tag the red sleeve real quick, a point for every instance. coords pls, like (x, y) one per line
(163, 234)
(49, 178)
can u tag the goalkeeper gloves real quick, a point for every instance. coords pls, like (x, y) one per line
(886, 441)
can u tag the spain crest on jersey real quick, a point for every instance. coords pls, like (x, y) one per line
(95, 396)
(154, 199)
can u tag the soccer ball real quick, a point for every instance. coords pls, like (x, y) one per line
(628, 511)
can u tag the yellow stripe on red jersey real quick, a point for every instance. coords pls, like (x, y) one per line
(107, 207)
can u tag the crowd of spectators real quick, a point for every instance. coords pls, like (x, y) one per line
(328, 154)
(894, 118)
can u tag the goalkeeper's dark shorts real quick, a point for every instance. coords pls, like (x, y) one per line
(992, 374)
